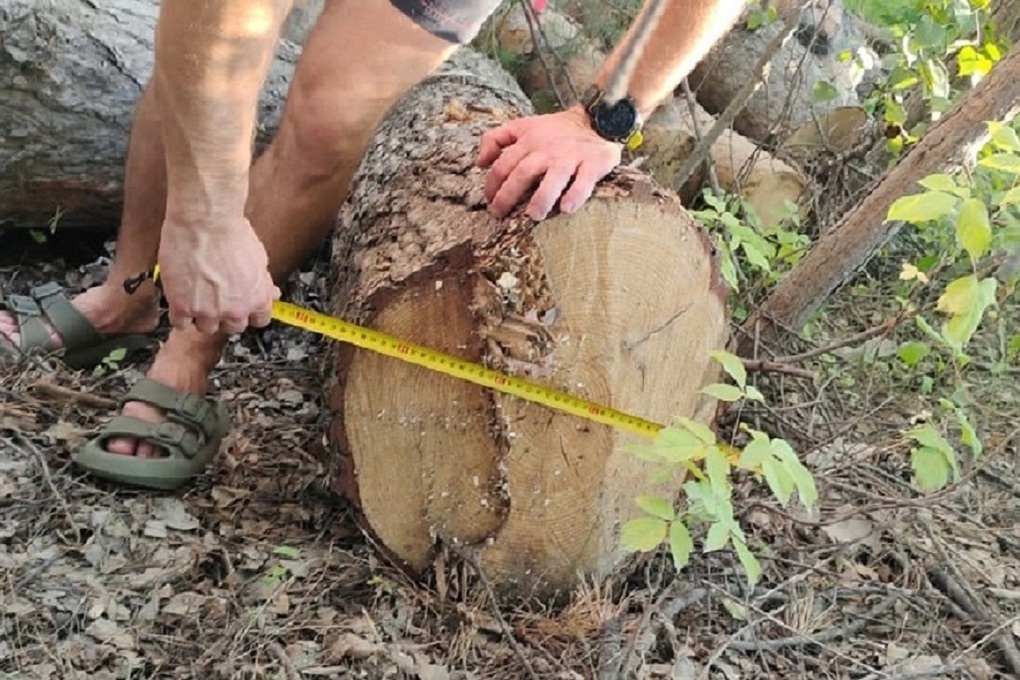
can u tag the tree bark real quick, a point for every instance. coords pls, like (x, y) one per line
(854, 240)
(620, 303)
(71, 73)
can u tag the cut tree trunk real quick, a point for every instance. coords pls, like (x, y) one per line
(766, 183)
(842, 251)
(619, 303)
(787, 98)
(71, 73)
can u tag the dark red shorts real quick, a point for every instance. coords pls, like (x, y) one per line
(457, 21)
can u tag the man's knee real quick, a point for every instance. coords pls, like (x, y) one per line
(456, 21)
(325, 132)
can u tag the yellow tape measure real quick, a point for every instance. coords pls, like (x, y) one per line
(388, 345)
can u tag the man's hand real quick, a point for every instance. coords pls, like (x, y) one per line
(216, 279)
(555, 151)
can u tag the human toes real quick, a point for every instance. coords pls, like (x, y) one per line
(129, 446)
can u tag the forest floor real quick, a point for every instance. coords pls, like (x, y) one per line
(256, 571)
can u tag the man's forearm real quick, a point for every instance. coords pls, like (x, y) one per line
(684, 34)
(211, 61)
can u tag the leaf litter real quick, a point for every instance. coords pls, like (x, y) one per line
(257, 571)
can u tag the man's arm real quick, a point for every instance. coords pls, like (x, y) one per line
(561, 151)
(684, 34)
(212, 57)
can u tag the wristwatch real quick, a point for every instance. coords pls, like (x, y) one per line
(619, 122)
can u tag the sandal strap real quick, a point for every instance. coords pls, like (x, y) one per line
(71, 325)
(47, 303)
(175, 438)
(185, 408)
(31, 326)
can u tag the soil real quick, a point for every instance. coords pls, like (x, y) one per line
(257, 571)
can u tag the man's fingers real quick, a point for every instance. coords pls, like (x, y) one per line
(549, 191)
(520, 181)
(503, 168)
(587, 176)
(207, 324)
(493, 142)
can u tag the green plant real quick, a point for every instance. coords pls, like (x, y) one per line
(692, 449)
(111, 362)
(970, 217)
(279, 572)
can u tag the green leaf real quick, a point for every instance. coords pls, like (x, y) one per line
(930, 468)
(702, 432)
(940, 182)
(680, 544)
(657, 507)
(913, 353)
(824, 92)
(723, 392)
(757, 451)
(968, 435)
(116, 355)
(927, 435)
(801, 476)
(973, 228)
(733, 366)
(643, 534)
(718, 469)
(919, 208)
(287, 552)
(1006, 162)
(748, 561)
(1011, 197)
(718, 536)
(753, 393)
(1004, 136)
(966, 300)
(778, 479)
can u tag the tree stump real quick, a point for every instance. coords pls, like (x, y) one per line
(620, 303)
(71, 73)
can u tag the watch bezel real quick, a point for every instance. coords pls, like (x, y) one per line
(605, 117)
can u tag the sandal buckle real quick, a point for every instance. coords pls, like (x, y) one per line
(45, 290)
(170, 433)
(23, 305)
(194, 408)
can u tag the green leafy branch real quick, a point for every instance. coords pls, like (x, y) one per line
(692, 449)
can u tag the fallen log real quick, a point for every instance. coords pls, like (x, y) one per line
(71, 72)
(787, 99)
(620, 303)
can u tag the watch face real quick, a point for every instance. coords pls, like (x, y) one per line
(616, 121)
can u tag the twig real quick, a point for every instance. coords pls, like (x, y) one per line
(67, 394)
(933, 672)
(946, 577)
(863, 336)
(961, 595)
(818, 638)
(27, 445)
(763, 366)
(736, 105)
(281, 655)
(713, 179)
(471, 557)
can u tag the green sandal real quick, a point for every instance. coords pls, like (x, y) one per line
(84, 346)
(190, 435)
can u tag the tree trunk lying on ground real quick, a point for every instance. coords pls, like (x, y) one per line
(71, 74)
(620, 303)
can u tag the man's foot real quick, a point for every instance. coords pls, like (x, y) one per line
(167, 433)
(182, 363)
(110, 310)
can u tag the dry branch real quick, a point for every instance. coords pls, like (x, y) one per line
(841, 252)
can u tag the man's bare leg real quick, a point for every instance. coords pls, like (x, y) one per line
(108, 306)
(360, 58)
